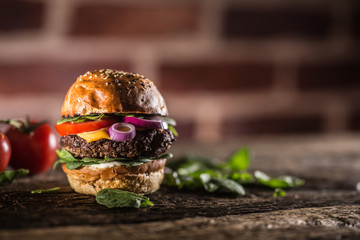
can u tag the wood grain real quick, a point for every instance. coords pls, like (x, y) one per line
(327, 207)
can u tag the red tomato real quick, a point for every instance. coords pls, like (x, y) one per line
(5, 152)
(88, 126)
(35, 151)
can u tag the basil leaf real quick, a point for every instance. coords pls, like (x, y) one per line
(206, 180)
(118, 198)
(168, 120)
(229, 185)
(173, 130)
(93, 117)
(56, 163)
(171, 178)
(65, 155)
(239, 161)
(74, 165)
(191, 163)
(278, 192)
(279, 182)
(55, 189)
(242, 177)
(210, 180)
(81, 118)
(195, 172)
(8, 177)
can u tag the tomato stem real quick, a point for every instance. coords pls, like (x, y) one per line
(23, 125)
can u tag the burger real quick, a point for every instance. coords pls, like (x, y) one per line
(114, 133)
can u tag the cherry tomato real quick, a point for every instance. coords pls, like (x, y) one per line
(5, 152)
(35, 151)
(87, 126)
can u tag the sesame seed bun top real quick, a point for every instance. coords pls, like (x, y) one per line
(111, 91)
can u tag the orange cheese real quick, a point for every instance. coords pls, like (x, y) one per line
(95, 135)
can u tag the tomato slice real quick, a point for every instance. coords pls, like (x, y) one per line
(87, 126)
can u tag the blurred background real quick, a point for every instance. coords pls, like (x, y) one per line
(227, 68)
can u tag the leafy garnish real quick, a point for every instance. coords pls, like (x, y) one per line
(118, 198)
(168, 120)
(173, 130)
(8, 177)
(239, 161)
(196, 172)
(73, 163)
(279, 192)
(92, 117)
(81, 118)
(50, 190)
(279, 182)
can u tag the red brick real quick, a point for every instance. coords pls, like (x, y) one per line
(21, 15)
(141, 20)
(266, 22)
(216, 76)
(274, 125)
(47, 76)
(330, 75)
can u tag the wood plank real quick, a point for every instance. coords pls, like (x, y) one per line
(326, 206)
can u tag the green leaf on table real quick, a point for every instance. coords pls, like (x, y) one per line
(279, 182)
(50, 190)
(8, 177)
(279, 192)
(117, 198)
(239, 161)
(229, 185)
(171, 178)
(242, 177)
(196, 172)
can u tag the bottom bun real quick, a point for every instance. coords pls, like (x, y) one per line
(143, 179)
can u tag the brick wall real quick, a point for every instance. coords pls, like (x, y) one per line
(226, 68)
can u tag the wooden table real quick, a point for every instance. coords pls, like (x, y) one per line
(326, 207)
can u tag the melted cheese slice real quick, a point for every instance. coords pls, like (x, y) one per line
(95, 135)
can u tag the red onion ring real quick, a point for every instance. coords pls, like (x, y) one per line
(147, 123)
(122, 132)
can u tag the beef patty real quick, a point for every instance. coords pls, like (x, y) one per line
(149, 143)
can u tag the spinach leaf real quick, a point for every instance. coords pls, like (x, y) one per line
(73, 163)
(279, 182)
(242, 177)
(279, 192)
(118, 198)
(191, 163)
(94, 116)
(55, 189)
(168, 120)
(8, 177)
(81, 118)
(173, 130)
(240, 161)
(196, 172)
(228, 185)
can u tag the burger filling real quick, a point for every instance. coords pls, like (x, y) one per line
(99, 139)
(148, 143)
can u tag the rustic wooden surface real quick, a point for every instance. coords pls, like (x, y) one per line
(327, 207)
